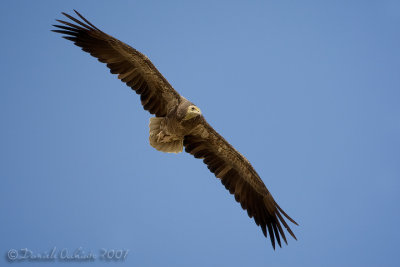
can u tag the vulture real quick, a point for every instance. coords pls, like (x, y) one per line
(178, 124)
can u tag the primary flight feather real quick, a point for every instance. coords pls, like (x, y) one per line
(179, 123)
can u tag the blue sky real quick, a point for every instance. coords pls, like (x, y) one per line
(309, 92)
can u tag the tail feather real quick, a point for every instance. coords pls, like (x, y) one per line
(174, 146)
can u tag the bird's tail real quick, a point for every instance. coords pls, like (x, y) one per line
(162, 142)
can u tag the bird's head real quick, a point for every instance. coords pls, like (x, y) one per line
(191, 112)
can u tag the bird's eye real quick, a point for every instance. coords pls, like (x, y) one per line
(193, 108)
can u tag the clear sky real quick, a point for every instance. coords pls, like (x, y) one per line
(308, 91)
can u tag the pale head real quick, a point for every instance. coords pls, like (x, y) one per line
(191, 112)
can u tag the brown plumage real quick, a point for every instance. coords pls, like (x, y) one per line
(179, 123)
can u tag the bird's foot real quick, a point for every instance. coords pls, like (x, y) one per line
(164, 138)
(160, 137)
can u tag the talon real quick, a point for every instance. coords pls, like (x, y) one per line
(160, 136)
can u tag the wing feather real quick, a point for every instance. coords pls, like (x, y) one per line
(132, 67)
(240, 179)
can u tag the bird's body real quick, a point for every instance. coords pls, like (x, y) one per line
(179, 123)
(167, 133)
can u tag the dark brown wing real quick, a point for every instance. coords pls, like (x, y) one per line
(239, 177)
(132, 67)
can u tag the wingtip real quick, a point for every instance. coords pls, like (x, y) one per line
(272, 241)
(61, 21)
(279, 243)
(284, 214)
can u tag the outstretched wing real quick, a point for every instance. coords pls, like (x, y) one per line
(133, 68)
(239, 177)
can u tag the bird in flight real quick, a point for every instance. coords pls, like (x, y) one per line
(178, 123)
